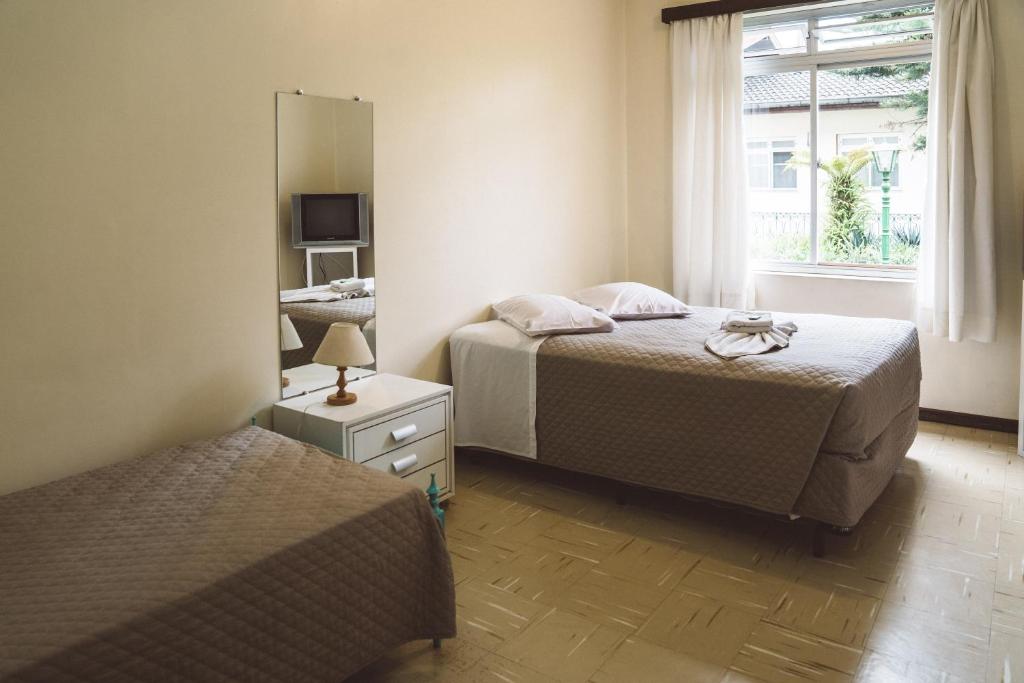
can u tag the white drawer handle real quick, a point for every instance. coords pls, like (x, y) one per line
(402, 464)
(403, 433)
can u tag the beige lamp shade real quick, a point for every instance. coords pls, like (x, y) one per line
(344, 346)
(289, 337)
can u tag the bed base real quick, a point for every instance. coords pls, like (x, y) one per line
(624, 494)
(818, 541)
(819, 538)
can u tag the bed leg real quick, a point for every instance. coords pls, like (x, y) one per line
(437, 643)
(818, 540)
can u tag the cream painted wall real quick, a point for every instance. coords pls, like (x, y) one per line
(353, 166)
(965, 377)
(138, 263)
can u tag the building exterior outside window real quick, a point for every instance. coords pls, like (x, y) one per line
(832, 87)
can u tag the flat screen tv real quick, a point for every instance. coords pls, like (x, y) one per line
(330, 220)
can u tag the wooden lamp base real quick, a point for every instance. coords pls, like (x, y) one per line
(346, 399)
(342, 398)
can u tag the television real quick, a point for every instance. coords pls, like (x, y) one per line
(330, 220)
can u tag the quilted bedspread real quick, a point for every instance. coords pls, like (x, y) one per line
(247, 557)
(312, 318)
(649, 405)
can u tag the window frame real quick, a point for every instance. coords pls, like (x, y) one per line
(771, 151)
(812, 61)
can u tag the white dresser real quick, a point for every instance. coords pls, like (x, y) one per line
(398, 425)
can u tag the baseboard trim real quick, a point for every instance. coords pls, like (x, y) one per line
(995, 424)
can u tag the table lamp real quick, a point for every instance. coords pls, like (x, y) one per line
(343, 346)
(289, 340)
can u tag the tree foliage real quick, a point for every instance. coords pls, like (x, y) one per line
(846, 227)
(917, 73)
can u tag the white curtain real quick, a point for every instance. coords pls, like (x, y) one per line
(956, 291)
(709, 183)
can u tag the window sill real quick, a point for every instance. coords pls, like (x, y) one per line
(861, 273)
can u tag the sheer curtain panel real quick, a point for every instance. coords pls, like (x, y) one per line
(957, 270)
(709, 184)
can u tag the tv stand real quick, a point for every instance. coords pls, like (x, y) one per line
(329, 250)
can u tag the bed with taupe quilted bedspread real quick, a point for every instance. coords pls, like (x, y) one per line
(815, 430)
(247, 557)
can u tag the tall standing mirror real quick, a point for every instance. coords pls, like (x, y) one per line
(325, 232)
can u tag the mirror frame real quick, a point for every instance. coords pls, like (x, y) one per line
(277, 215)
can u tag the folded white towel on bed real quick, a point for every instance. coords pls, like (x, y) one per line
(735, 344)
(309, 294)
(748, 321)
(349, 284)
(321, 293)
(352, 294)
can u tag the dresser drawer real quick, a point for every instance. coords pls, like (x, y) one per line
(406, 460)
(403, 429)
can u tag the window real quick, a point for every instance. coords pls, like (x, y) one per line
(874, 29)
(768, 164)
(869, 175)
(779, 39)
(824, 86)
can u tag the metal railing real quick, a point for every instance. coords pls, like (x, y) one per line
(777, 223)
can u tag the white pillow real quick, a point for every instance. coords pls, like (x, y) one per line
(631, 301)
(537, 314)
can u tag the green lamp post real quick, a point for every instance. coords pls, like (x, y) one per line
(885, 160)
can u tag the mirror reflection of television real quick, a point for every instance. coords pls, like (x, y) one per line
(330, 220)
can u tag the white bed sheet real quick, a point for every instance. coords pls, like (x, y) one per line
(496, 408)
(322, 293)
